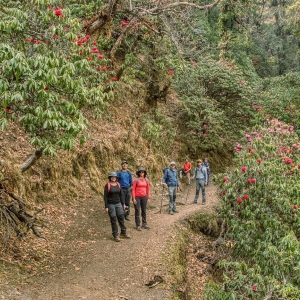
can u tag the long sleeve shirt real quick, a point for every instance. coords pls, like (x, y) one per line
(141, 188)
(124, 178)
(113, 196)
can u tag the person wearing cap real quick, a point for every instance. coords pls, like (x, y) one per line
(170, 179)
(115, 206)
(141, 197)
(125, 180)
(201, 181)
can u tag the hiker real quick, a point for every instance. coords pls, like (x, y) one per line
(207, 165)
(186, 170)
(125, 180)
(115, 206)
(201, 180)
(170, 180)
(141, 197)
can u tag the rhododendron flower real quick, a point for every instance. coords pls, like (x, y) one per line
(224, 179)
(239, 200)
(94, 43)
(254, 288)
(100, 56)
(251, 180)
(98, 69)
(244, 169)
(295, 206)
(247, 135)
(255, 133)
(246, 197)
(224, 193)
(171, 71)
(259, 161)
(114, 79)
(59, 13)
(90, 58)
(104, 68)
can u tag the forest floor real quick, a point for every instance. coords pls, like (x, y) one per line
(88, 264)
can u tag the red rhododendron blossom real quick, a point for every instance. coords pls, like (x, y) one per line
(246, 197)
(94, 43)
(46, 89)
(114, 79)
(244, 169)
(59, 13)
(259, 161)
(239, 200)
(7, 110)
(295, 206)
(87, 37)
(247, 135)
(251, 180)
(254, 288)
(224, 193)
(171, 71)
(98, 69)
(100, 56)
(224, 179)
(90, 58)
(104, 68)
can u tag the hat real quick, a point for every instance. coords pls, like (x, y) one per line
(112, 174)
(124, 162)
(172, 163)
(139, 170)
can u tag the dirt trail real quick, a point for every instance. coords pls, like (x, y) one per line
(93, 266)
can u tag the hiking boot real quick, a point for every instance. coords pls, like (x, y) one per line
(175, 211)
(171, 212)
(125, 236)
(117, 239)
(203, 202)
(146, 227)
(127, 218)
(195, 202)
(138, 228)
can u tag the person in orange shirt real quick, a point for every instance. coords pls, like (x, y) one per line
(141, 197)
(186, 170)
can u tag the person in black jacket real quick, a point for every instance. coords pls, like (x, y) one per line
(115, 206)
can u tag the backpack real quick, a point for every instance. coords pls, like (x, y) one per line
(108, 186)
(138, 180)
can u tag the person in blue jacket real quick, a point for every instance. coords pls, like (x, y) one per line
(170, 180)
(125, 180)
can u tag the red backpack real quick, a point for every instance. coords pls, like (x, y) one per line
(108, 186)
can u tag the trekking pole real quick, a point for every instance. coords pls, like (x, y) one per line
(162, 197)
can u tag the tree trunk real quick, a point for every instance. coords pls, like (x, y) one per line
(31, 160)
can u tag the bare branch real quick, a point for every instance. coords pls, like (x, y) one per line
(31, 160)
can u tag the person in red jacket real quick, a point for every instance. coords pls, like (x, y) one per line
(141, 197)
(186, 170)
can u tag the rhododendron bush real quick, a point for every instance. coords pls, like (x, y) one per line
(49, 73)
(260, 201)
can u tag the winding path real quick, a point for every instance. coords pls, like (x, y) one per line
(92, 266)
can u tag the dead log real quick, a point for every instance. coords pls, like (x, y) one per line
(31, 160)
